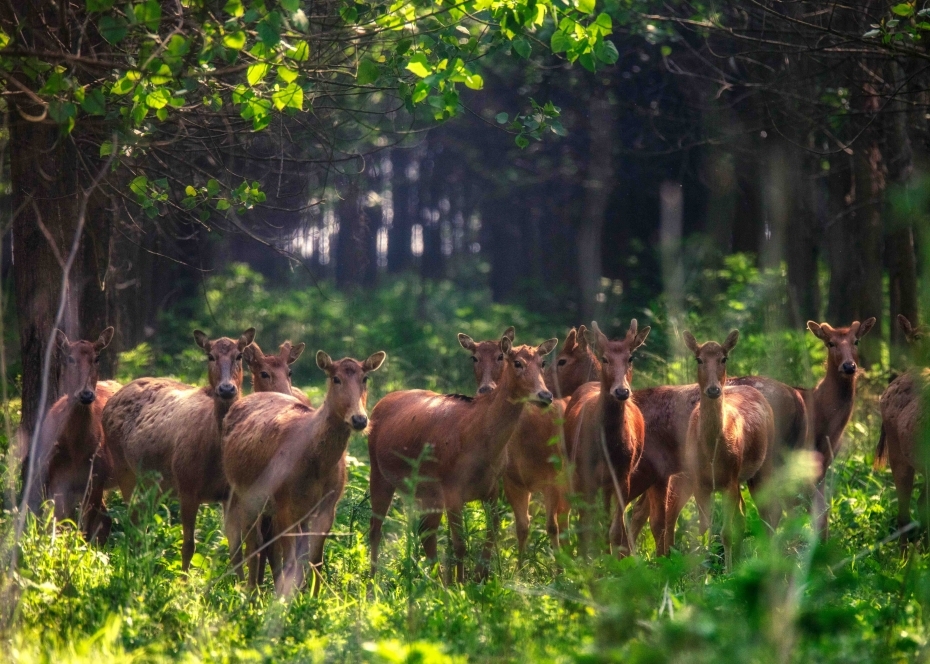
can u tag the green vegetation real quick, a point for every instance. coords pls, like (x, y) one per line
(854, 599)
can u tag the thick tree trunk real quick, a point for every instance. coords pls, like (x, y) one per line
(801, 252)
(352, 240)
(405, 209)
(598, 185)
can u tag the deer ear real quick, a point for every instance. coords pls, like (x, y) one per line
(571, 340)
(817, 330)
(634, 326)
(730, 342)
(202, 340)
(466, 341)
(641, 337)
(104, 339)
(506, 344)
(247, 337)
(374, 361)
(690, 342)
(509, 333)
(252, 353)
(582, 338)
(324, 361)
(547, 347)
(61, 339)
(294, 352)
(905, 324)
(865, 327)
(600, 339)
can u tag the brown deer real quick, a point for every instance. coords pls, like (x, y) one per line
(903, 425)
(272, 373)
(160, 425)
(605, 433)
(459, 443)
(830, 404)
(535, 452)
(487, 360)
(283, 458)
(729, 434)
(73, 466)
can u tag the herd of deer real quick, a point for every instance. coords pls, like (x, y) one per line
(277, 464)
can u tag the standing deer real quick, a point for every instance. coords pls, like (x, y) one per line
(830, 404)
(272, 373)
(535, 451)
(605, 433)
(163, 426)
(73, 466)
(284, 458)
(729, 434)
(903, 426)
(466, 439)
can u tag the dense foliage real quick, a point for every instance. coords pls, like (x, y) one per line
(854, 599)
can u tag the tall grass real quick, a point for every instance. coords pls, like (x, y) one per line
(853, 599)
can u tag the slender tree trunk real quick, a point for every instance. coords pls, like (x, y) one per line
(801, 251)
(598, 184)
(352, 240)
(402, 195)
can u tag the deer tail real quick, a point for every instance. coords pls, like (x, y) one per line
(881, 452)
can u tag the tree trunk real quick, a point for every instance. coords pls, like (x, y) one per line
(352, 240)
(597, 187)
(405, 209)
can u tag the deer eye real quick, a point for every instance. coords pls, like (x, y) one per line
(264, 374)
(238, 357)
(71, 360)
(364, 379)
(723, 361)
(856, 342)
(474, 359)
(500, 358)
(604, 360)
(336, 380)
(518, 364)
(289, 373)
(563, 362)
(210, 358)
(830, 344)
(699, 360)
(97, 360)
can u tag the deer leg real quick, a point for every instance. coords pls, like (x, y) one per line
(903, 474)
(232, 524)
(97, 521)
(250, 533)
(320, 526)
(619, 537)
(457, 534)
(734, 526)
(382, 493)
(493, 522)
(267, 529)
(820, 511)
(427, 531)
(679, 492)
(519, 500)
(189, 506)
(290, 577)
(639, 514)
(704, 501)
(556, 515)
(656, 501)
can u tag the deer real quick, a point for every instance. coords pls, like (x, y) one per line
(272, 373)
(286, 459)
(903, 424)
(534, 463)
(729, 433)
(459, 443)
(172, 429)
(487, 359)
(73, 467)
(830, 404)
(605, 434)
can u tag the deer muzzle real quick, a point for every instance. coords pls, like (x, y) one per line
(87, 397)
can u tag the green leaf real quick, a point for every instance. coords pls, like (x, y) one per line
(213, 187)
(106, 148)
(162, 114)
(522, 47)
(559, 42)
(139, 184)
(286, 74)
(99, 6)
(586, 6)
(190, 191)
(149, 14)
(222, 204)
(419, 65)
(604, 23)
(234, 40)
(606, 51)
(269, 29)
(234, 7)
(903, 9)
(666, 50)
(587, 61)
(301, 52)
(157, 98)
(290, 6)
(368, 72)
(95, 103)
(349, 14)
(113, 28)
(256, 72)
(474, 81)
(501, 118)
(290, 97)
(871, 33)
(521, 141)
(403, 46)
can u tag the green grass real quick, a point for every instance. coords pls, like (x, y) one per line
(790, 599)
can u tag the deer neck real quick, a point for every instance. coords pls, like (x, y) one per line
(611, 412)
(711, 418)
(330, 434)
(834, 395)
(501, 414)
